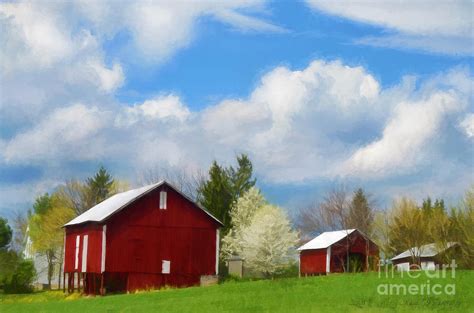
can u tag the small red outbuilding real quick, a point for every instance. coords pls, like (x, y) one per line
(143, 238)
(328, 252)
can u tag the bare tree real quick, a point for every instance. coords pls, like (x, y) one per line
(331, 214)
(75, 196)
(20, 225)
(185, 179)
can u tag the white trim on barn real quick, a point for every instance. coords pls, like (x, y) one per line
(76, 263)
(217, 250)
(64, 250)
(328, 259)
(104, 237)
(85, 244)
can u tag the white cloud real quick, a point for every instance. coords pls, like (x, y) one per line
(33, 35)
(151, 22)
(322, 121)
(67, 133)
(247, 23)
(467, 125)
(454, 45)
(107, 79)
(160, 108)
(441, 27)
(405, 139)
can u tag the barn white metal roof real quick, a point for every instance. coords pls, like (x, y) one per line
(326, 239)
(425, 251)
(115, 203)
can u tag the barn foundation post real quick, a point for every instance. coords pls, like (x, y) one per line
(102, 284)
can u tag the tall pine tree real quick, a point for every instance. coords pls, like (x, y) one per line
(224, 187)
(360, 212)
(100, 185)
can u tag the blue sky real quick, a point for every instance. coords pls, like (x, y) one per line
(377, 95)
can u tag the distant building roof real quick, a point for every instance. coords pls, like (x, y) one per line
(326, 239)
(425, 251)
(115, 203)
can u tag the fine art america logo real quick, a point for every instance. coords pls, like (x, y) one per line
(426, 287)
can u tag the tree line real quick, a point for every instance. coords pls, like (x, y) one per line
(253, 228)
(405, 225)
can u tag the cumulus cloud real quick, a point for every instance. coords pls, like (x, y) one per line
(441, 27)
(52, 55)
(323, 121)
(151, 22)
(467, 125)
(160, 108)
(67, 134)
(405, 139)
(33, 35)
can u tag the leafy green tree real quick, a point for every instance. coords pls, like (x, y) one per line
(46, 233)
(5, 234)
(42, 204)
(360, 214)
(224, 187)
(462, 230)
(428, 207)
(408, 228)
(22, 278)
(8, 258)
(100, 185)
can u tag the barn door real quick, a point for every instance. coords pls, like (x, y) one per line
(138, 255)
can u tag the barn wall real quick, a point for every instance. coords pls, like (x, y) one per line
(357, 245)
(313, 261)
(141, 236)
(94, 248)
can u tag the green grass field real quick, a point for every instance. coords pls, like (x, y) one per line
(333, 293)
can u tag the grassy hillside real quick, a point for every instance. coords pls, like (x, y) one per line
(334, 293)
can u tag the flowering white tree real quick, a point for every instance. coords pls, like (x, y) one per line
(268, 243)
(261, 234)
(242, 213)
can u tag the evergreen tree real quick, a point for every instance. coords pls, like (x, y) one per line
(5, 234)
(360, 212)
(215, 194)
(224, 187)
(241, 178)
(100, 185)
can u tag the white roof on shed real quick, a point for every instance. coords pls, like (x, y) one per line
(426, 251)
(101, 211)
(326, 239)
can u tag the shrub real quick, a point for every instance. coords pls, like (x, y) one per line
(22, 278)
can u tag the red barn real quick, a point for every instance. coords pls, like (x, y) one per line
(328, 252)
(143, 238)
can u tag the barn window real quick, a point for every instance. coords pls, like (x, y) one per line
(163, 200)
(76, 264)
(165, 267)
